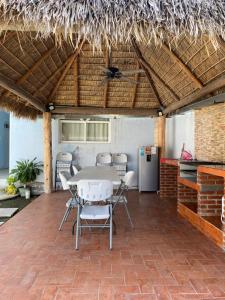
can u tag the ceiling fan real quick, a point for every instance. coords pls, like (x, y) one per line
(111, 72)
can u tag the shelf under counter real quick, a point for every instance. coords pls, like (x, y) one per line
(210, 226)
(190, 182)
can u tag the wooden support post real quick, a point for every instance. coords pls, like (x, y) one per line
(47, 152)
(160, 132)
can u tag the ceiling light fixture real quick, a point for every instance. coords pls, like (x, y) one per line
(50, 107)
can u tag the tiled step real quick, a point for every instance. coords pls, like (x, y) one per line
(7, 212)
(1, 223)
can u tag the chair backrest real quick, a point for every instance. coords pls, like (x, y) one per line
(64, 177)
(75, 170)
(64, 156)
(129, 179)
(119, 158)
(103, 159)
(94, 190)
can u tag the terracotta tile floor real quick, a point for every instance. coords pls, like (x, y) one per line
(163, 258)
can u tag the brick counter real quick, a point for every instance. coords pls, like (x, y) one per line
(169, 169)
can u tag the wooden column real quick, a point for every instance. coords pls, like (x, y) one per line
(160, 132)
(47, 152)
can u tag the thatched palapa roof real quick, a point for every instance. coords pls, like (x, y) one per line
(52, 51)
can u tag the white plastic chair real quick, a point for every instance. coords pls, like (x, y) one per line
(72, 202)
(119, 197)
(93, 191)
(119, 158)
(103, 159)
(75, 170)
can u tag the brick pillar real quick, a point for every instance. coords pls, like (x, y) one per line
(186, 194)
(168, 181)
(210, 194)
(223, 227)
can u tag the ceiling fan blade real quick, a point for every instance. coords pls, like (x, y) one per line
(129, 80)
(104, 81)
(131, 72)
(103, 68)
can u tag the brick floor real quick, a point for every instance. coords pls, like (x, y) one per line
(163, 258)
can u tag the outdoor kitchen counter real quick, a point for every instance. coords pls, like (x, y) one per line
(216, 170)
(170, 161)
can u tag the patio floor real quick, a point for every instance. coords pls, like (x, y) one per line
(163, 258)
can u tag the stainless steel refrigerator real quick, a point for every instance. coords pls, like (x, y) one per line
(148, 157)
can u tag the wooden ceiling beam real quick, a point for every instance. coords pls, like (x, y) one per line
(153, 86)
(197, 95)
(11, 86)
(106, 88)
(76, 81)
(30, 71)
(147, 66)
(72, 110)
(7, 35)
(52, 76)
(36, 65)
(69, 63)
(136, 78)
(183, 66)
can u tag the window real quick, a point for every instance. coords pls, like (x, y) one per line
(85, 131)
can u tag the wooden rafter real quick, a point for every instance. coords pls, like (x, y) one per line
(106, 87)
(144, 66)
(11, 86)
(136, 78)
(69, 63)
(14, 56)
(197, 95)
(30, 71)
(7, 35)
(147, 66)
(105, 111)
(183, 66)
(153, 86)
(76, 80)
(49, 79)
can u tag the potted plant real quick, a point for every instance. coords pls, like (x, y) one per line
(11, 189)
(26, 171)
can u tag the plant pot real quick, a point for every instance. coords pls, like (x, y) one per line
(27, 193)
(22, 191)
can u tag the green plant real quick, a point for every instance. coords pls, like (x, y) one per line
(26, 171)
(11, 180)
(11, 188)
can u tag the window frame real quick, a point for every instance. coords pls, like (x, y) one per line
(85, 122)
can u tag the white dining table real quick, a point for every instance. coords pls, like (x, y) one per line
(96, 173)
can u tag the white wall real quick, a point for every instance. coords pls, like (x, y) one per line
(179, 130)
(127, 134)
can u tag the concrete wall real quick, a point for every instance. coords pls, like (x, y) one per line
(180, 129)
(4, 140)
(127, 134)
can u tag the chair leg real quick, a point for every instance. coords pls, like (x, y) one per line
(73, 228)
(110, 229)
(128, 214)
(69, 210)
(65, 217)
(77, 227)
